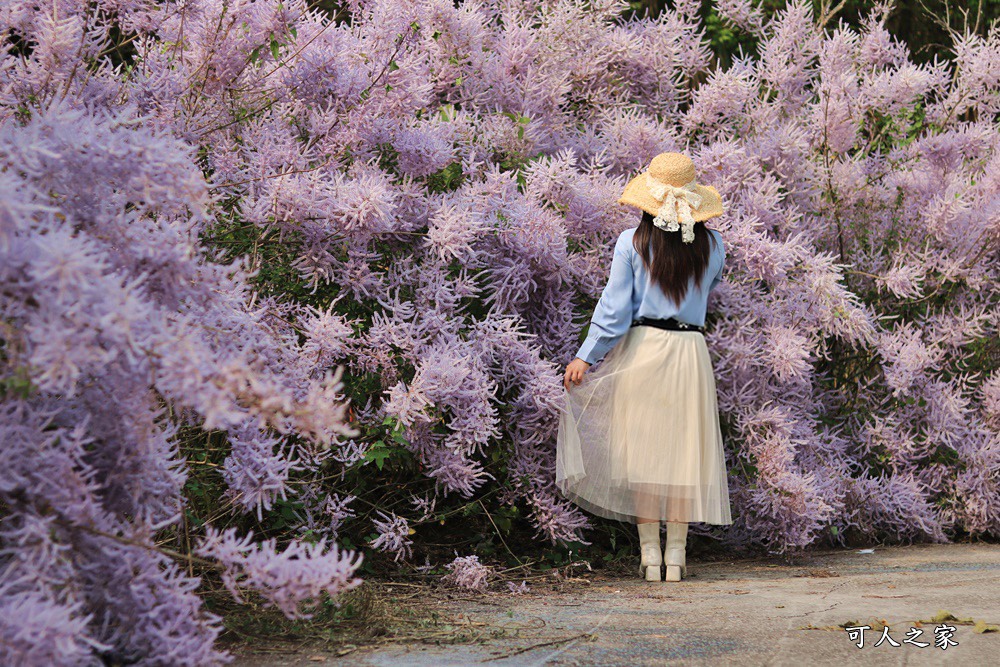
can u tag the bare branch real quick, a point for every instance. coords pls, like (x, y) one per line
(825, 13)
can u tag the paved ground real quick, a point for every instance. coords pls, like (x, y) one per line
(725, 613)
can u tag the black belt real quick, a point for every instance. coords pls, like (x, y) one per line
(669, 323)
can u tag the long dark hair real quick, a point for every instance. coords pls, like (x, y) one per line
(673, 261)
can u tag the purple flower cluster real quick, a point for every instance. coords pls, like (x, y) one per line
(451, 173)
(468, 572)
(518, 589)
(287, 579)
(393, 536)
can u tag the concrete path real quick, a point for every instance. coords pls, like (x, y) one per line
(754, 612)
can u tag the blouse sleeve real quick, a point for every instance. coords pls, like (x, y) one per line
(718, 276)
(613, 314)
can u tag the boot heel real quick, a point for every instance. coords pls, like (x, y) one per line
(653, 573)
(673, 573)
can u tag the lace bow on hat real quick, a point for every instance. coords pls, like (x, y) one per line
(676, 205)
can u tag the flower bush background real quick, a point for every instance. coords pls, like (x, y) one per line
(279, 290)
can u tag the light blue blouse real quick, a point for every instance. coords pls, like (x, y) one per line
(631, 293)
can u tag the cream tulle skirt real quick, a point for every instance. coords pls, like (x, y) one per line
(639, 437)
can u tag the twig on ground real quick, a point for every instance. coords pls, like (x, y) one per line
(539, 645)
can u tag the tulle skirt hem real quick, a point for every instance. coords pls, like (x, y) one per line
(639, 437)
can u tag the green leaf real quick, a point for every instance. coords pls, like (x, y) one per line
(18, 385)
(378, 453)
(447, 112)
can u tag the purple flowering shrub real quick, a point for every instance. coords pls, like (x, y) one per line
(248, 249)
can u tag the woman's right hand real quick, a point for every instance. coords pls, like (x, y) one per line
(575, 371)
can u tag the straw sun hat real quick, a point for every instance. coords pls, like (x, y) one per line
(669, 191)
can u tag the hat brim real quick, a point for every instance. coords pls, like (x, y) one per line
(637, 194)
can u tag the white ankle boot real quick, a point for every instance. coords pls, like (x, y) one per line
(673, 554)
(649, 544)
